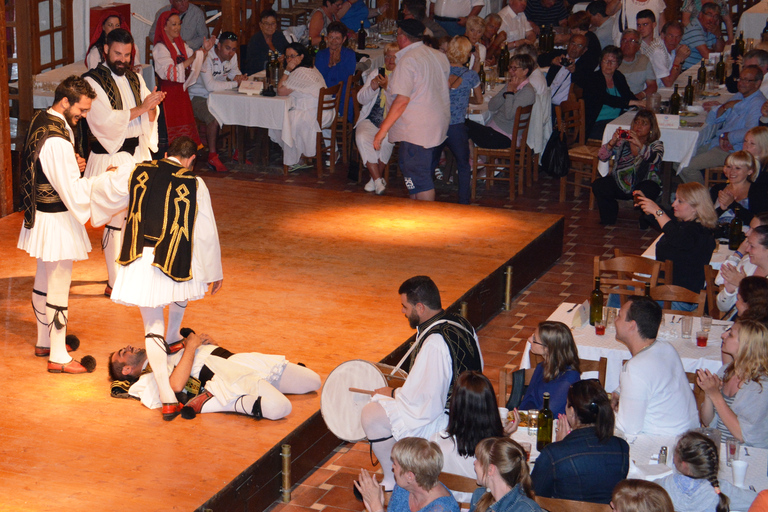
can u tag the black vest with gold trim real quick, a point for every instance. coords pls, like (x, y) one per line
(161, 213)
(102, 75)
(37, 194)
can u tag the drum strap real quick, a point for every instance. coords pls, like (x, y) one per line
(420, 337)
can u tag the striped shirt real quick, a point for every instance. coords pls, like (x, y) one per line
(541, 15)
(694, 36)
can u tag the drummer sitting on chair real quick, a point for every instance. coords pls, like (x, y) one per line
(220, 381)
(446, 345)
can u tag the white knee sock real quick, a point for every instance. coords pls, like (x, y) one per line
(377, 426)
(297, 380)
(156, 354)
(274, 405)
(111, 242)
(59, 276)
(39, 298)
(175, 317)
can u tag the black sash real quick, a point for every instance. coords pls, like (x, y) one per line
(205, 373)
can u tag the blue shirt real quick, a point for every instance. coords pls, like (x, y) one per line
(338, 73)
(736, 121)
(399, 502)
(514, 501)
(460, 95)
(557, 388)
(694, 36)
(580, 467)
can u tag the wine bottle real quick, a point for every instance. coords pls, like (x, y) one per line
(546, 422)
(734, 71)
(702, 76)
(543, 40)
(674, 103)
(481, 74)
(596, 304)
(720, 71)
(742, 45)
(551, 39)
(503, 60)
(322, 45)
(647, 289)
(688, 94)
(735, 233)
(361, 36)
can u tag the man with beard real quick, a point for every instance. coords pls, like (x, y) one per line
(446, 345)
(123, 126)
(56, 206)
(248, 383)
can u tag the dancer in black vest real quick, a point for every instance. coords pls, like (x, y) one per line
(446, 345)
(56, 207)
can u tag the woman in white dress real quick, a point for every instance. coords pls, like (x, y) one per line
(302, 83)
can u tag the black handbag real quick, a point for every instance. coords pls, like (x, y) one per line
(555, 160)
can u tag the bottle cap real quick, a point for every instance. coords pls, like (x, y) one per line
(546, 394)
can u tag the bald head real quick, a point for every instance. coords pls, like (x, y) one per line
(577, 46)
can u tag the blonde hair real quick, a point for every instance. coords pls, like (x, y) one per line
(475, 22)
(698, 197)
(744, 159)
(751, 360)
(458, 50)
(391, 47)
(633, 495)
(509, 458)
(421, 457)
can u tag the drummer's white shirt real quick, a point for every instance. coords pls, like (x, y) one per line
(418, 409)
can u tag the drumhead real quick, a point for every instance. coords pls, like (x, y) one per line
(341, 408)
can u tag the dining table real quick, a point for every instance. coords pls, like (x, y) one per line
(719, 256)
(592, 347)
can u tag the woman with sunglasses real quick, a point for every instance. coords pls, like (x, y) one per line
(554, 342)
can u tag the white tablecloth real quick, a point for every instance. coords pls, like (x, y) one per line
(592, 347)
(234, 108)
(718, 257)
(752, 22)
(480, 113)
(45, 83)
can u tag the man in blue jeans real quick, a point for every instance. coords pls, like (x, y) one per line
(420, 113)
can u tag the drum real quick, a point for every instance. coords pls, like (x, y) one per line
(342, 408)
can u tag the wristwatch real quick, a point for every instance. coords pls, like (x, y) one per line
(659, 212)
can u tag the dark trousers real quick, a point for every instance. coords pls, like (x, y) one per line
(596, 132)
(607, 193)
(486, 137)
(458, 142)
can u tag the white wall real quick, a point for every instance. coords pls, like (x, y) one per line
(140, 31)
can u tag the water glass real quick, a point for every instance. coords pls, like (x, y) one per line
(686, 326)
(533, 422)
(732, 450)
(706, 323)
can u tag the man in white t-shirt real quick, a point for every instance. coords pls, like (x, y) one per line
(668, 55)
(635, 66)
(452, 14)
(654, 396)
(515, 24)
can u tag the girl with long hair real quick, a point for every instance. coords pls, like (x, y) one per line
(503, 476)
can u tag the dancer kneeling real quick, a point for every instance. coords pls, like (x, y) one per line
(249, 383)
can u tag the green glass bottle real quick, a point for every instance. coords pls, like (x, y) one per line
(674, 102)
(741, 44)
(546, 424)
(596, 304)
(702, 76)
(503, 60)
(361, 36)
(735, 234)
(720, 71)
(481, 74)
(688, 94)
(322, 45)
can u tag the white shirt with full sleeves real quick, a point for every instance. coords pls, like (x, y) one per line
(655, 397)
(112, 127)
(515, 25)
(167, 69)
(60, 236)
(216, 75)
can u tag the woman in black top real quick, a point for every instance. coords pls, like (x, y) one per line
(740, 197)
(688, 239)
(269, 39)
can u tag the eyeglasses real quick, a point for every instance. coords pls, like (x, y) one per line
(534, 341)
(269, 23)
(291, 56)
(633, 41)
(748, 80)
(577, 45)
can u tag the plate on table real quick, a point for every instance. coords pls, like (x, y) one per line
(708, 94)
(688, 114)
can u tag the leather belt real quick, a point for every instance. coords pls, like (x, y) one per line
(129, 146)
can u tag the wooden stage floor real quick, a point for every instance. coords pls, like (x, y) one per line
(308, 273)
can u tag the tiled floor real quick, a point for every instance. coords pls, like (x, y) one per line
(329, 487)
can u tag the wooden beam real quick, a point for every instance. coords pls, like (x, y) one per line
(230, 14)
(6, 165)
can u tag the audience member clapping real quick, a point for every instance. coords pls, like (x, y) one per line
(695, 487)
(417, 464)
(640, 496)
(637, 157)
(554, 342)
(736, 398)
(504, 477)
(473, 416)
(337, 62)
(607, 94)
(587, 460)
(739, 197)
(688, 240)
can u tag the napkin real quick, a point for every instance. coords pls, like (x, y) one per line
(648, 471)
(581, 315)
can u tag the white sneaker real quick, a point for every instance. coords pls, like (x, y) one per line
(381, 185)
(370, 186)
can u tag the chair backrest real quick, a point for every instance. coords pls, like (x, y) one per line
(349, 92)
(698, 393)
(665, 274)
(600, 367)
(711, 289)
(520, 130)
(626, 275)
(148, 51)
(668, 293)
(459, 483)
(555, 505)
(714, 175)
(570, 120)
(505, 381)
(328, 100)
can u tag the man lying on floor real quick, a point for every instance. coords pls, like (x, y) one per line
(215, 379)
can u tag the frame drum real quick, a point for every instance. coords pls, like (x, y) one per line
(342, 408)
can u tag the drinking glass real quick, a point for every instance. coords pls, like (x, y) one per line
(732, 450)
(686, 326)
(706, 323)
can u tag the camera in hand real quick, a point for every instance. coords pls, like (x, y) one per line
(565, 62)
(624, 134)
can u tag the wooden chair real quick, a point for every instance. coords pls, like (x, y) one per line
(698, 393)
(459, 483)
(669, 293)
(292, 16)
(665, 273)
(509, 161)
(327, 101)
(570, 119)
(601, 367)
(714, 175)
(626, 275)
(555, 505)
(712, 290)
(342, 121)
(148, 51)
